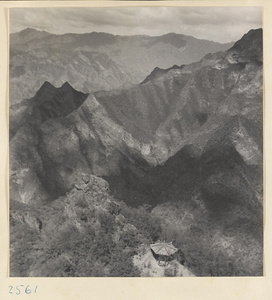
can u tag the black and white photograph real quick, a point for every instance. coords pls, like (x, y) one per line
(136, 141)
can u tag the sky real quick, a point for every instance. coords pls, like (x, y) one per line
(220, 24)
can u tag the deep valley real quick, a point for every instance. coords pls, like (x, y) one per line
(109, 156)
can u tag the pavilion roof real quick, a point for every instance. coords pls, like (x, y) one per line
(163, 248)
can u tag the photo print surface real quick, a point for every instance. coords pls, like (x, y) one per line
(136, 142)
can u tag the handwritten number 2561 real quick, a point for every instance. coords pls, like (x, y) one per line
(18, 290)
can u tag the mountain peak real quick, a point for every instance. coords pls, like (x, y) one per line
(30, 30)
(46, 88)
(55, 102)
(250, 45)
(47, 84)
(27, 35)
(251, 36)
(66, 86)
(49, 87)
(158, 72)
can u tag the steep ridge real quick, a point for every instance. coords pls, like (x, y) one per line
(186, 143)
(26, 118)
(49, 102)
(95, 61)
(184, 105)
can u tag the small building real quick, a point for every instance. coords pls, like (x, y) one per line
(163, 251)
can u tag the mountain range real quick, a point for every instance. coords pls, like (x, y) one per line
(95, 61)
(181, 151)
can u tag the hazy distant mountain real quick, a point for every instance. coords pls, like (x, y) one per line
(95, 61)
(183, 147)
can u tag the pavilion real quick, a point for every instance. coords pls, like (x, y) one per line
(162, 251)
